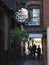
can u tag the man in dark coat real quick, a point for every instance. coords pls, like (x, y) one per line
(34, 50)
(38, 51)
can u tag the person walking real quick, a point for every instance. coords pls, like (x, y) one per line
(29, 49)
(34, 50)
(38, 51)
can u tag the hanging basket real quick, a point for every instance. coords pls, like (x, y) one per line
(18, 34)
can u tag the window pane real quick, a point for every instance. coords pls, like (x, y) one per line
(31, 13)
(33, 22)
(36, 12)
(34, 17)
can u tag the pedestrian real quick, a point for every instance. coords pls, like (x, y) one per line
(30, 48)
(38, 51)
(34, 50)
(29, 52)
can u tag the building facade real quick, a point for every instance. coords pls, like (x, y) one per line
(45, 25)
(6, 18)
(38, 23)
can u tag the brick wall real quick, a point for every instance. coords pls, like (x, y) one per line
(45, 24)
(45, 50)
(46, 13)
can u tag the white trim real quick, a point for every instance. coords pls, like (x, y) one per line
(47, 45)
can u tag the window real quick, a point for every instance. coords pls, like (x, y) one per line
(34, 16)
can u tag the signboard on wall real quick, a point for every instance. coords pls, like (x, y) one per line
(35, 36)
(21, 15)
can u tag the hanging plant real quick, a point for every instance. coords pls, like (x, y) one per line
(18, 34)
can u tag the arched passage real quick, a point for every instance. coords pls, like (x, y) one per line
(33, 39)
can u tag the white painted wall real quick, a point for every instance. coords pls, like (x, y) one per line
(47, 45)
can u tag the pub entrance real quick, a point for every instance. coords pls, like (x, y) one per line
(32, 39)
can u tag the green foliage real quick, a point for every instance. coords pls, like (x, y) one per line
(18, 34)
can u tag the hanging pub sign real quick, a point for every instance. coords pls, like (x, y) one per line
(21, 15)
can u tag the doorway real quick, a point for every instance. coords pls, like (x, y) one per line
(33, 39)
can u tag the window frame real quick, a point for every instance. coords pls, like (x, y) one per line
(30, 7)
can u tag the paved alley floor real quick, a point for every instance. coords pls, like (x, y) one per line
(28, 62)
(33, 62)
